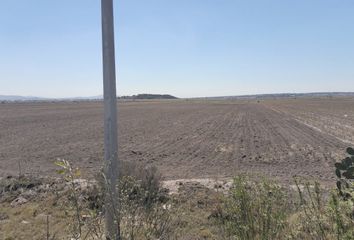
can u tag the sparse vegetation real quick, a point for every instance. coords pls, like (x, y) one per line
(141, 210)
(265, 211)
(250, 210)
(319, 214)
(254, 210)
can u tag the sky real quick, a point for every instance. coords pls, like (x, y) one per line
(187, 48)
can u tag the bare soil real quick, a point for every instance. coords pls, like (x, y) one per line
(183, 138)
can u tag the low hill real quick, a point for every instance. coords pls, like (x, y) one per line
(287, 95)
(19, 98)
(149, 96)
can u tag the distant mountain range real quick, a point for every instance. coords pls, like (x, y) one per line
(19, 98)
(285, 95)
(12, 98)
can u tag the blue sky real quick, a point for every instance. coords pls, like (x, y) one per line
(187, 48)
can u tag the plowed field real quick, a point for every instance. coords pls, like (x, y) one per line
(185, 139)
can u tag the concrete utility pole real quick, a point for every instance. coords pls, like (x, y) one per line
(110, 121)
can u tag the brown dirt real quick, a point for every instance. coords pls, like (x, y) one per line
(185, 139)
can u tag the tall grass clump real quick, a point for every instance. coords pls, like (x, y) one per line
(143, 204)
(263, 210)
(253, 210)
(310, 217)
(320, 214)
(142, 211)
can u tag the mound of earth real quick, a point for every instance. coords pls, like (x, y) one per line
(150, 96)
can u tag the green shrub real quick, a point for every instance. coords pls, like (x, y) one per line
(254, 210)
(142, 211)
(309, 220)
(318, 216)
(251, 210)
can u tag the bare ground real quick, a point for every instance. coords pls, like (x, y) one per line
(184, 139)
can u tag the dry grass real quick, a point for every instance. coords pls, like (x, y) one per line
(262, 207)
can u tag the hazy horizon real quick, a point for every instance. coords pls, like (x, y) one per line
(4, 96)
(184, 48)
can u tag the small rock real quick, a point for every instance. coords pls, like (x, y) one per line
(18, 201)
(166, 206)
(200, 203)
(85, 217)
(136, 152)
(29, 194)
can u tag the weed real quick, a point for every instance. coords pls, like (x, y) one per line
(141, 211)
(253, 210)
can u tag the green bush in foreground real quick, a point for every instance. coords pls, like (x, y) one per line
(317, 216)
(141, 213)
(250, 210)
(262, 210)
(253, 210)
